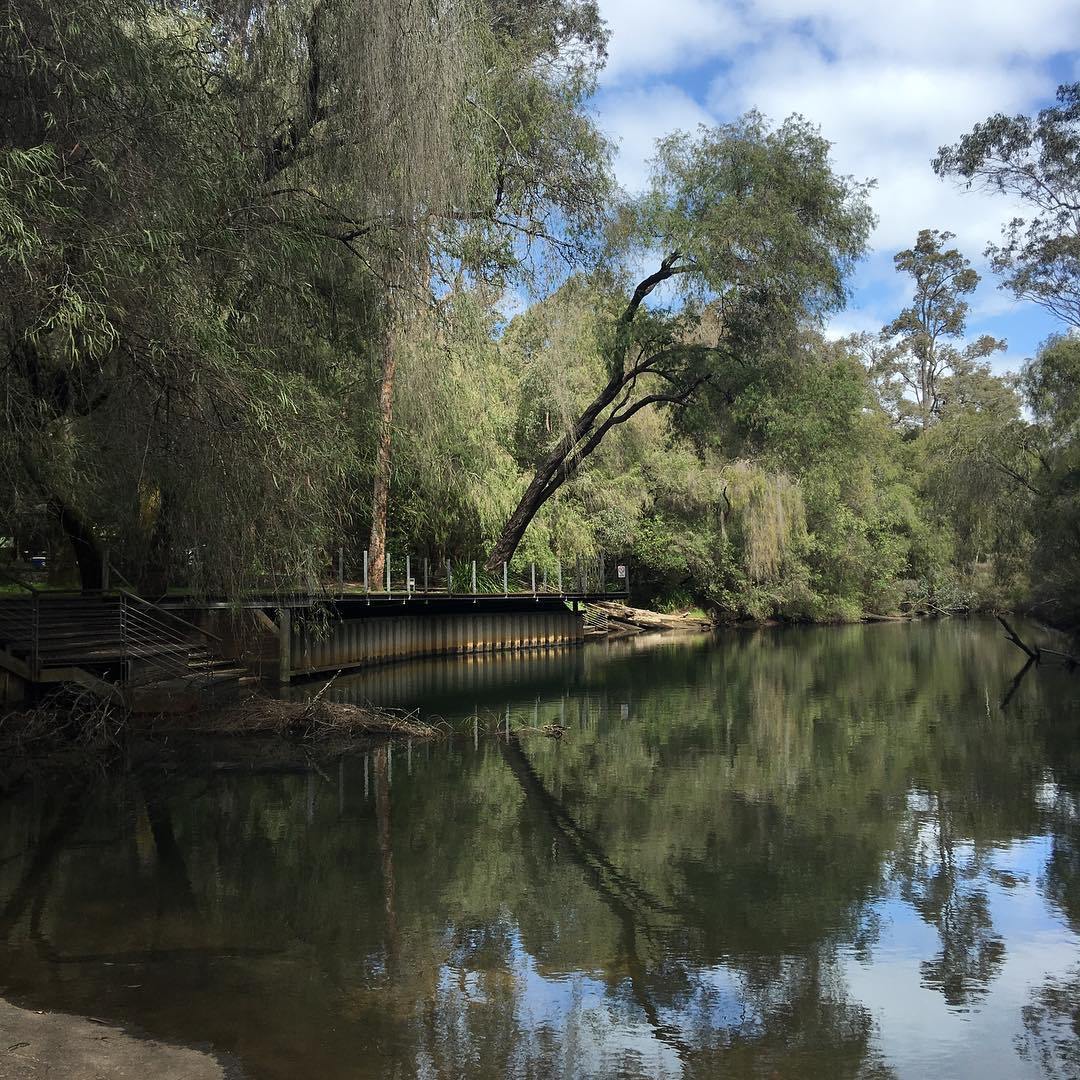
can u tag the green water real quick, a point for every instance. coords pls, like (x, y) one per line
(801, 853)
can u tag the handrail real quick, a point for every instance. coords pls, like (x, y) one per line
(160, 611)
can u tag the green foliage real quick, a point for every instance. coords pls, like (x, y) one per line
(1037, 160)
(918, 364)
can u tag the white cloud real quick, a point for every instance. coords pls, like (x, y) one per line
(886, 119)
(636, 118)
(647, 40)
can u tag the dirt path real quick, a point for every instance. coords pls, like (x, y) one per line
(37, 1045)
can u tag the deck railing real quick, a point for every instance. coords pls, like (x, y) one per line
(405, 575)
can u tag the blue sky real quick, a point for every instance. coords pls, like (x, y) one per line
(887, 83)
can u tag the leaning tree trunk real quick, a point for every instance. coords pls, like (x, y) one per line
(380, 498)
(613, 405)
(88, 555)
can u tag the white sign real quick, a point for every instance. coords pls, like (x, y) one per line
(622, 571)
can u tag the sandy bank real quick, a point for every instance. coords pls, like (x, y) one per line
(35, 1045)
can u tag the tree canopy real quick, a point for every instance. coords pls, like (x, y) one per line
(280, 278)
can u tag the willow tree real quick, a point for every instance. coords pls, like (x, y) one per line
(158, 361)
(188, 200)
(533, 179)
(755, 233)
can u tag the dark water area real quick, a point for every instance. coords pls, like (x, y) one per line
(796, 853)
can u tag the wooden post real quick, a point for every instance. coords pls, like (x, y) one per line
(284, 625)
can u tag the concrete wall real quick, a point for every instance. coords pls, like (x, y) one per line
(378, 639)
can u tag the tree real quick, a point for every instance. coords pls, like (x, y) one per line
(759, 234)
(918, 368)
(1036, 159)
(1046, 465)
(538, 174)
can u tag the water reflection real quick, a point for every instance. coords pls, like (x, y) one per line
(797, 853)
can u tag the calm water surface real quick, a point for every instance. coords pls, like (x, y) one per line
(802, 853)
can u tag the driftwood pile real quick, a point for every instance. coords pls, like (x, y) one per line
(624, 619)
(309, 721)
(68, 718)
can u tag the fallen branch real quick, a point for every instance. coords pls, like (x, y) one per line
(1018, 641)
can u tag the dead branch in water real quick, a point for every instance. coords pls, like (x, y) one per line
(1018, 641)
(1038, 653)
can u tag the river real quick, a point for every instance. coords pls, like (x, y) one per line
(820, 852)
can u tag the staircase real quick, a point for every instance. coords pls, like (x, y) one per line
(120, 647)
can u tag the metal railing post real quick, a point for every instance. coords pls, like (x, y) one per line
(408, 575)
(474, 577)
(35, 631)
(366, 589)
(560, 577)
(533, 566)
(386, 558)
(425, 575)
(341, 571)
(449, 579)
(506, 590)
(125, 663)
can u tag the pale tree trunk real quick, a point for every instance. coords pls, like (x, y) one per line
(380, 498)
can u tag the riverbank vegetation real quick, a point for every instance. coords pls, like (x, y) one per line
(283, 277)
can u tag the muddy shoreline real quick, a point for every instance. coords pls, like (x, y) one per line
(35, 1045)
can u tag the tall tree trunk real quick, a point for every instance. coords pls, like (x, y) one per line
(88, 554)
(380, 497)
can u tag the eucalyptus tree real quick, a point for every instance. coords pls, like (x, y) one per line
(920, 365)
(755, 232)
(1036, 160)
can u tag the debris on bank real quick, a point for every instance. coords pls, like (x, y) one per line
(69, 719)
(314, 720)
(622, 618)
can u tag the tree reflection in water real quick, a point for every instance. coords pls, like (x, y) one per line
(678, 887)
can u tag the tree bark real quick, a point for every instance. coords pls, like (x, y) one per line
(380, 496)
(88, 555)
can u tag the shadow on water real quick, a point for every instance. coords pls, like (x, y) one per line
(779, 853)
